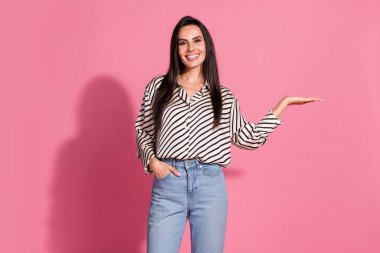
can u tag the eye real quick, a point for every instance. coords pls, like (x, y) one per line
(182, 43)
(198, 40)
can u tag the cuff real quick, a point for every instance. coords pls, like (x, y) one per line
(145, 154)
(270, 115)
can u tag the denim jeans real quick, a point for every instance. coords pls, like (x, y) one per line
(199, 195)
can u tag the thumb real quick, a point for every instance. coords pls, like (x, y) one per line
(175, 171)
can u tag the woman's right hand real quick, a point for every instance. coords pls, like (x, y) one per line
(161, 169)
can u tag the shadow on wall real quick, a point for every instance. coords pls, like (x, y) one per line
(99, 194)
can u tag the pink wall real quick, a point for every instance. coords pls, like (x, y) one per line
(73, 75)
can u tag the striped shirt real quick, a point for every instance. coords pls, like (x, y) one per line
(187, 132)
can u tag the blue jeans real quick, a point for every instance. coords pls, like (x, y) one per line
(199, 195)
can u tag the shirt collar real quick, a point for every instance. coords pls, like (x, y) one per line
(207, 85)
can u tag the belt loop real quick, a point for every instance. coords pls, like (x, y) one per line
(199, 163)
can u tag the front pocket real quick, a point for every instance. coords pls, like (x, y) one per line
(161, 179)
(211, 169)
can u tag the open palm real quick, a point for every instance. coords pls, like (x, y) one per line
(294, 100)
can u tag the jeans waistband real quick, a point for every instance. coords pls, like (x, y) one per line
(181, 162)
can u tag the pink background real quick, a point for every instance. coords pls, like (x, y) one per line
(72, 79)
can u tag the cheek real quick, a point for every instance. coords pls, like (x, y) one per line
(203, 48)
(204, 51)
(182, 50)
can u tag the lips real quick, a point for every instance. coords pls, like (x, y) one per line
(192, 57)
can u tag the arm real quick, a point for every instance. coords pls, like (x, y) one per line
(280, 107)
(144, 126)
(249, 135)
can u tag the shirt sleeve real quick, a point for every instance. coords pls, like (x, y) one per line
(250, 135)
(145, 127)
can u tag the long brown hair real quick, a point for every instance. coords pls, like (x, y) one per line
(209, 71)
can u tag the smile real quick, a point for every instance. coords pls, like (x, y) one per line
(192, 57)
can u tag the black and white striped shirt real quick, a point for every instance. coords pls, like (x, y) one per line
(187, 133)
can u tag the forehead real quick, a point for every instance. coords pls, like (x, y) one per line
(189, 32)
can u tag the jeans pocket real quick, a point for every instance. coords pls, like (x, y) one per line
(211, 169)
(168, 175)
(165, 177)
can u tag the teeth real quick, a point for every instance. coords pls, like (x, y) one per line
(192, 56)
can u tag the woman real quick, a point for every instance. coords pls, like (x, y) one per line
(184, 131)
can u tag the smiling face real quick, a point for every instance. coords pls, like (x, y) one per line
(191, 46)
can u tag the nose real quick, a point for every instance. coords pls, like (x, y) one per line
(191, 47)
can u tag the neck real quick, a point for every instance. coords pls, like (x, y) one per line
(192, 75)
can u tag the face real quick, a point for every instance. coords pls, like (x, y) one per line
(191, 46)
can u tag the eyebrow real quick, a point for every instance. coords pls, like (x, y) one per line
(193, 38)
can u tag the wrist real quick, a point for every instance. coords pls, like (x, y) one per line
(284, 102)
(153, 160)
(280, 107)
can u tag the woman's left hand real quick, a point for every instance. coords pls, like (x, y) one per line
(293, 100)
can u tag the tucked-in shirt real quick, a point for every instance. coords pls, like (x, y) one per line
(187, 127)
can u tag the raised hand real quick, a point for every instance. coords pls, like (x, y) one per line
(292, 100)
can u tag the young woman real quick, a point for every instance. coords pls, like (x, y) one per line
(184, 132)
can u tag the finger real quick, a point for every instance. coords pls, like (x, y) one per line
(176, 172)
(318, 99)
(312, 99)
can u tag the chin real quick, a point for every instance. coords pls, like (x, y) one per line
(192, 65)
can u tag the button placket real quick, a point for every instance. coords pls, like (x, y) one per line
(187, 130)
(188, 117)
